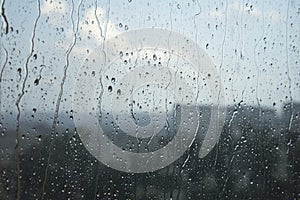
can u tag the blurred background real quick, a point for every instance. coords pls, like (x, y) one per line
(253, 44)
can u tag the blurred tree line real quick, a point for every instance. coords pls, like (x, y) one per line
(257, 157)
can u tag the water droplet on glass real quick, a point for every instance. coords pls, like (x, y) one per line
(154, 57)
(36, 82)
(110, 88)
(19, 71)
(118, 92)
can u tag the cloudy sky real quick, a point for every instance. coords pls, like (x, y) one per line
(254, 45)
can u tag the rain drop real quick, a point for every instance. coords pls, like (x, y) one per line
(36, 82)
(19, 71)
(113, 80)
(154, 57)
(118, 92)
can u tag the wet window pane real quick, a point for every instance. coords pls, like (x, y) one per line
(150, 99)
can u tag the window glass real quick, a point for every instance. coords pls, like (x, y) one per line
(150, 99)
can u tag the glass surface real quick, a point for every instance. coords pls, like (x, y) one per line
(150, 99)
